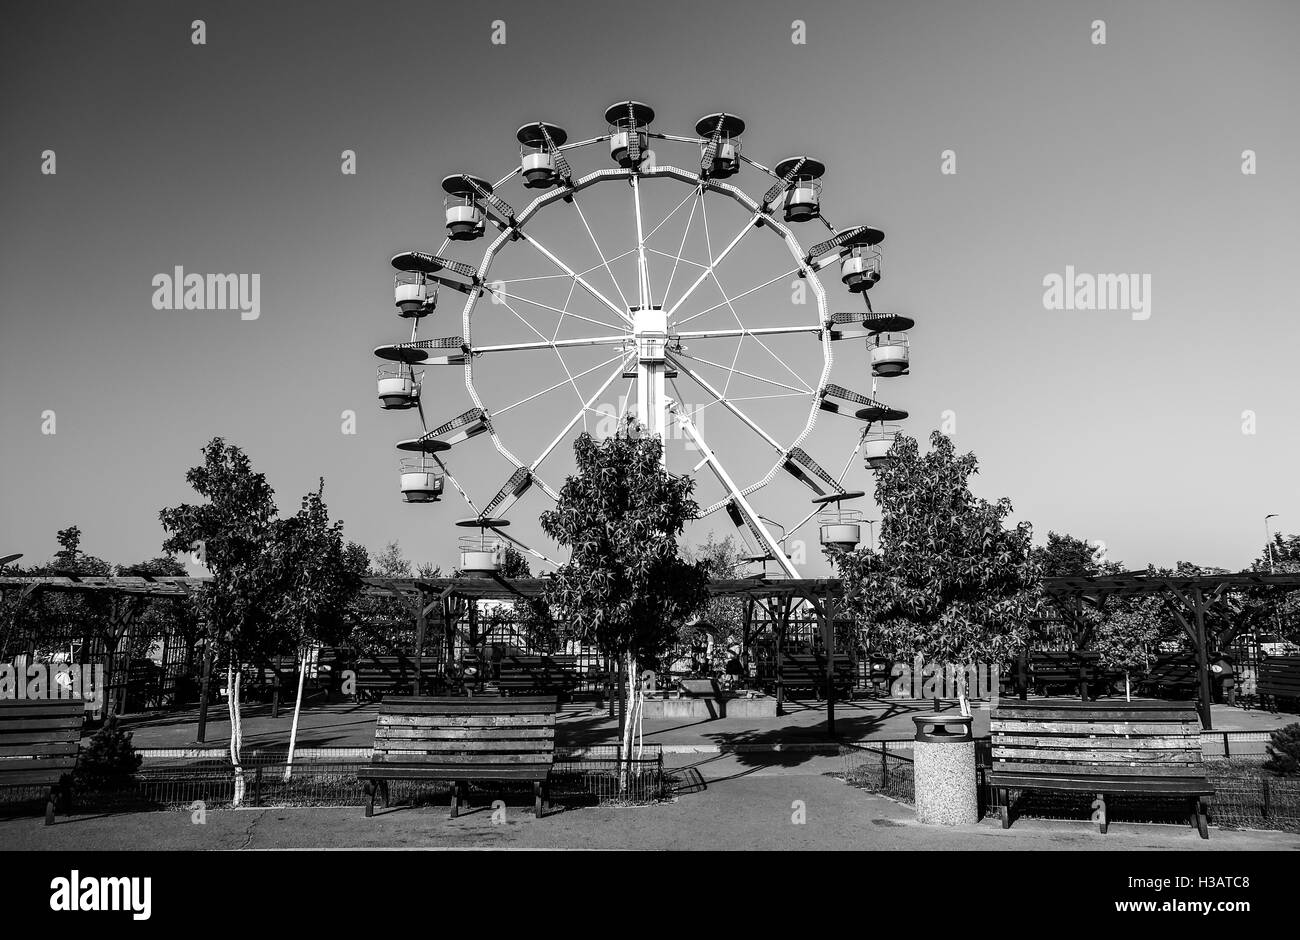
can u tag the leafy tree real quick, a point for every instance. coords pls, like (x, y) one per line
(1128, 638)
(275, 582)
(625, 589)
(721, 623)
(950, 582)
(1284, 751)
(108, 761)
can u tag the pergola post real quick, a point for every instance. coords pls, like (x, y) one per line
(1202, 657)
(828, 643)
(421, 624)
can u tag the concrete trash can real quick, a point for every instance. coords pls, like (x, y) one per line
(944, 770)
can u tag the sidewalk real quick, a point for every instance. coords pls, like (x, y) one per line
(740, 807)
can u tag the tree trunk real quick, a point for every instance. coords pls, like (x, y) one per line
(1127, 695)
(963, 697)
(297, 708)
(627, 678)
(233, 677)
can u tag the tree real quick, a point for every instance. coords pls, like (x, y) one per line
(951, 582)
(1128, 638)
(275, 582)
(624, 589)
(721, 624)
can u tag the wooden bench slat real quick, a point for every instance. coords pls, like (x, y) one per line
(1096, 742)
(467, 772)
(38, 724)
(456, 747)
(1084, 727)
(1138, 755)
(468, 721)
(413, 732)
(37, 750)
(8, 738)
(1144, 770)
(485, 758)
(1099, 784)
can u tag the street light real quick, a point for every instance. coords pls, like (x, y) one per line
(1268, 540)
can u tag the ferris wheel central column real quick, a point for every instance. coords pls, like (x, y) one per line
(650, 330)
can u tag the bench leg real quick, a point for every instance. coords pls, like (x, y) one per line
(383, 793)
(1004, 806)
(49, 805)
(368, 788)
(1099, 813)
(539, 798)
(455, 800)
(1203, 817)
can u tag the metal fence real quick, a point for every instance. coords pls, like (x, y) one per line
(1246, 796)
(580, 777)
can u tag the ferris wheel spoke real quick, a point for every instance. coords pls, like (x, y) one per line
(562, 312)
(586, 285)
(498, 412)
(686, 232)
(675, 258)
(748, 375)
(651, 234)
(780, 277)
(713, 264)
(553, 345)
(547, 344)
(746, 331)
(580, 413)
(721, 398)
(600, 252)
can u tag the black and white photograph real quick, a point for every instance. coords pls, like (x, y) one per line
(723, 427)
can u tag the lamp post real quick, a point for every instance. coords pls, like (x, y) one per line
(871, 527)
(1268, 540)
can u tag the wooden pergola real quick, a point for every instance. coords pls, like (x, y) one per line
(1188, 597)
(453, 599)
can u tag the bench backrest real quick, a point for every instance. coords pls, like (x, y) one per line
(38, 739)
(1087, 739)
(1175, 669)
(811, 667)
(1279, 676)
(389, 672)
(477, 730)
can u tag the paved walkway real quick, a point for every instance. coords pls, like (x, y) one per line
(352, 726)
(742, 805)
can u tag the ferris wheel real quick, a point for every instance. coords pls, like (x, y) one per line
(647, 290)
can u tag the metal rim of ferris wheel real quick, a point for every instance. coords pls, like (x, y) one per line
(649, 342)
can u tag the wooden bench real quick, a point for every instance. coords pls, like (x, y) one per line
(1279, 679)
(1138, 747)
(520, 674)
(376, 676)
(808, 671)
(462, 739)
(38, 746)
(1049, 669)
(1172, 672)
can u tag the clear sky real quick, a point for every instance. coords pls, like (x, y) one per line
(225, 157)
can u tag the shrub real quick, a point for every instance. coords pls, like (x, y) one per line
(1284, 751)
(108, 761)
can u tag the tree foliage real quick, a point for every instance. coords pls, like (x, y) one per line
(950, 582)
(625, 589)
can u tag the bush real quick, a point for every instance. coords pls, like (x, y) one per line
(109, 761)
(1284, 751)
